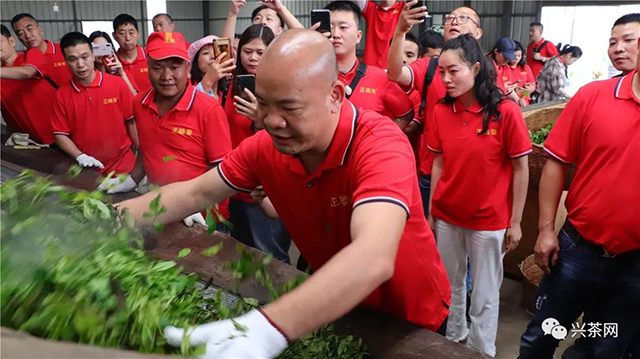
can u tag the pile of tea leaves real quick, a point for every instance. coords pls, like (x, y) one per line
(73, 269)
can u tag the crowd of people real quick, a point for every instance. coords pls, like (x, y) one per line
(400, 176)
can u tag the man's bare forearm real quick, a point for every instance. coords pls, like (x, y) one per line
(343, 282)
(551, 186)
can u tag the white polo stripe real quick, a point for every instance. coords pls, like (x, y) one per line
(37, 69)
(411, 81)
(522, 154)
(353, 132)
(144, 99)
(229, 183)
(382, 199)
(74, 86)
(618, 86)
(193, 96)
(100, 82)
(555, 156)
(129, 119)
(433, 149)
(61, 133)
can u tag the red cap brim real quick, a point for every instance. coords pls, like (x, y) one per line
(165, 53)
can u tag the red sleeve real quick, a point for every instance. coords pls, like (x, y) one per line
(396, 101)
(414, 96)
(59, 119)
(515, 135)
(238, 169)
(369, 12)
(418, 71)
(217, 139)
(552, 50)
(434, 142)
(530, 78)
(126, 101)
(564, 140)
(38, 60)
(384, 168)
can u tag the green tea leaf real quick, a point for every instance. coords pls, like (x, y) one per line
(213, 250)
(184, 252)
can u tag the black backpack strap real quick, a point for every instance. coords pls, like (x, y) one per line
(51, 82)
(360, 72)
(541, 46)
(428, 78)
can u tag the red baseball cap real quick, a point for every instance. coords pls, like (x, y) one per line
(163, 45)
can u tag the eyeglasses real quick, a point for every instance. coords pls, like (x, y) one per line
(460, 19)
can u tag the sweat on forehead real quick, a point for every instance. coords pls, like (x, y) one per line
(298, 52)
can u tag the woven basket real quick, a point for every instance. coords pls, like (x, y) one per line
(533, 275)
(535, 121)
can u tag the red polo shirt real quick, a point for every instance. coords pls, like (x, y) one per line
(549, 50)
(375, 92)
(26, 104)
(474, 190)
(137, 70)
(60, 73)
(94, 118)
(436, 91)
(368, 160)
(185, 142)
(381, 24)
(599, 131)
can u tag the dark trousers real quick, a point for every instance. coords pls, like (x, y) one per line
(425, 188)
(253, 228)
(606, 289)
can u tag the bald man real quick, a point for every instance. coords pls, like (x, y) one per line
(344, 185)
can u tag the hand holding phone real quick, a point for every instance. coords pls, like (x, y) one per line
(244, 82)
(322, 16)
(102, 50)
(222, 45)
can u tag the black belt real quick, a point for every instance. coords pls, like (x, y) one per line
(602, 252)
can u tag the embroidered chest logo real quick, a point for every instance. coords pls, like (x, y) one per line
(182, 131)
(368, 90)
(108, 101)
(168, 38)
(59, 64)
(490, 132)
(144, 70)
(339, 201)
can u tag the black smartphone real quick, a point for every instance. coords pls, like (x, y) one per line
(244, 82)
(322, 16)
(420, 3)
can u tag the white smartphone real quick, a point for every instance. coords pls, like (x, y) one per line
(102, 50)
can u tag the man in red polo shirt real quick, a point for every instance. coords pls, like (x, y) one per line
(592, 264)
(183, 132)
(364, 236)
(132, 56)
(463, 20)
(367, 86)
(92, 115)
(539, 50)
(26, 96)
(29, 32)
(382, 18)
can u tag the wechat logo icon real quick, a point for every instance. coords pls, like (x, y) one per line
(551, 326)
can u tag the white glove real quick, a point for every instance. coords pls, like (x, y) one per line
(114, 185)
(195, 218)
(143, 186)
(251, 336)
(88, 161)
